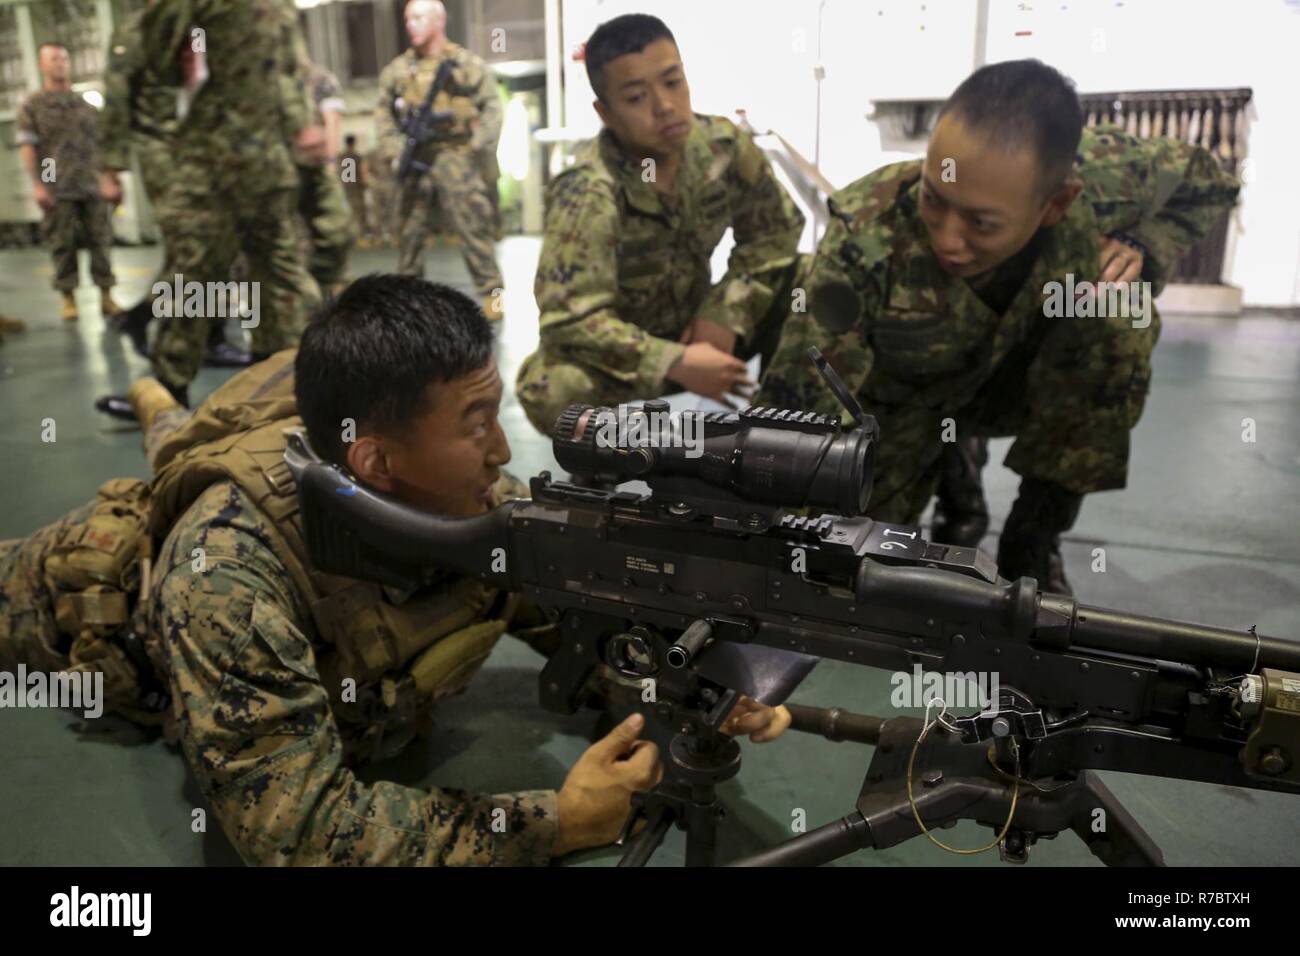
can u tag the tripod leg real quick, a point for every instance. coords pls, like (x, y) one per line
(641, 846)
(826, 843)
(1114, 836)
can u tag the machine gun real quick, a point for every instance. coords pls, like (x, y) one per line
(424, 125)
(711, 586)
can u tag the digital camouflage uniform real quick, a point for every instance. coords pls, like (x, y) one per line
(62, 127)
(234, 183)
(918, 346)
(355, 189)
(137, 98)
(623, 272)
(252, 648)
(321, 202)
(454, 185)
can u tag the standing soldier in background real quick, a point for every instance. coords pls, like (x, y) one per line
(355, 181)
(235, 184)
(623, 282)
(137, 97)
(446, 170)
(56, 138)
(321, 202)
(931, 296)
(382, 187)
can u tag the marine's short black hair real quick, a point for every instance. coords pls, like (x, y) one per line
(630, 33)
(371, 354)
(350, 138)
(1019, 104)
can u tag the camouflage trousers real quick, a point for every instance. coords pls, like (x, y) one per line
(207, 238)
(547, 385)
(79, 222)
(324, 210)
(454, 189)
(1071, 424)
(156, 170)
(356, 197)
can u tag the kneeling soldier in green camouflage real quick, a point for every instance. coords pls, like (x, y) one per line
(939, 294)
(623, 284)
(281, 679)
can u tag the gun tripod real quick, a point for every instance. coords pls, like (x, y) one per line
(694, 764)
(952, 780)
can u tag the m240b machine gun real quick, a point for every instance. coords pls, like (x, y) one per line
(712, 585)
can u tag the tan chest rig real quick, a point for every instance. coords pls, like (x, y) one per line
(455, 97)
(383, 658)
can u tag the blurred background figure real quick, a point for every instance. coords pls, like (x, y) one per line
(450, 93)
(321, 202)
(245, 124)
(139, 99)
(356, 180)
(56, 137)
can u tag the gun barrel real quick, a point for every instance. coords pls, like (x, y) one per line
(835, 724)
(1200, 645)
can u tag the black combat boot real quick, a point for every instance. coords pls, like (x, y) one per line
(119, 406)
(220, 353)
(961, 515)
(134, 324)
(1031, 539)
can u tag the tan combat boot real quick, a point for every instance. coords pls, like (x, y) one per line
(491, 309)
(107, 305)
(149, 398)
(69, 313)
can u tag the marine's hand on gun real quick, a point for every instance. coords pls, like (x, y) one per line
(596, 797)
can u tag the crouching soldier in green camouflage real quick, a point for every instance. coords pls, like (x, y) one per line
(623, 284)
(281, 679)
(939, 293)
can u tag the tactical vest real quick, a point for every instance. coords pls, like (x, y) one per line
(456, 96)
(383, 658)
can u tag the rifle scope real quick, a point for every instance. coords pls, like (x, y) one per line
(764, 455)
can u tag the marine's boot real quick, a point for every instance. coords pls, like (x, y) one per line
(107, 305)
(121, 406)
(69, 311)
(1031, 539)
(148, 397)
(491, 307)
(961, 515)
